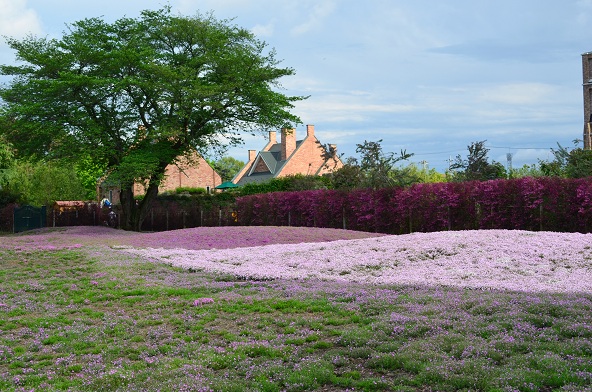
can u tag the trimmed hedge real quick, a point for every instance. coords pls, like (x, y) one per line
(545, 203)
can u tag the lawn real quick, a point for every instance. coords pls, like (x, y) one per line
(295, 309)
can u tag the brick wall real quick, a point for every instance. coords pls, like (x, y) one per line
(192, 172)
(308, 159)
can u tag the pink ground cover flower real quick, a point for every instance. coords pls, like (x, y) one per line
(203, 301)
(484, 259)
(195, 238)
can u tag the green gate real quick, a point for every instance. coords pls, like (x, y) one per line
(29, 217)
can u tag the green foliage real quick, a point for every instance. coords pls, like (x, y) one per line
(378, 166)
(374, 170)
(42, 183)
(6, 161)
(477, 166)
(137, 93)
(347, 177)
(297, 182)
(527, 171)
(89, 172)
(190, 191)
(8, 196)
(412, 174)
(574, 163)
(227, 167)
(6, 154)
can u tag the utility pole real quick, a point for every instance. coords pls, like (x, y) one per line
(449, 160)
(509, 158)
(424, 164)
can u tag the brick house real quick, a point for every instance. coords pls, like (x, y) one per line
(288, 157)
(189, 172)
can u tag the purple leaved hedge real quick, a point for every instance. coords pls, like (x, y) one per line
(546, 203)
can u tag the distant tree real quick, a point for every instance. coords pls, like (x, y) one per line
(378, 167)
(347, 177)
(526, 171)
(227, 167)
(412, 174)
(477, 166)
(574, 163)
(375, 169)
(555, 167)
(140, 92)
(6, 157)
(7, 196)
(42, 183)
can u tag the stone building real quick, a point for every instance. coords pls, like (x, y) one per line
(288, 157)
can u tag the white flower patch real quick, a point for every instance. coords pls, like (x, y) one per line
(487, 259)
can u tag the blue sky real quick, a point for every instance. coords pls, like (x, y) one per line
(427, 76)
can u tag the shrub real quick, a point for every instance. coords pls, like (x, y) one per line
(545, 203)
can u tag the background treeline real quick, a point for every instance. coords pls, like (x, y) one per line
(376, 193)
(38, 181)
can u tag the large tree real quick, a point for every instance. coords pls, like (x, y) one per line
(137, 93)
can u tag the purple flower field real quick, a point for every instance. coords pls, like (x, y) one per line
(489, 259)
(295, 309)
(484, 259)
(196, 238)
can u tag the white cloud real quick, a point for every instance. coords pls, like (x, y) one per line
(517, 93)
(316, 17)
(17, 20)
(262, 31)
(334, 108)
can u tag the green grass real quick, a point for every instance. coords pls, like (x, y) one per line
(69, 321)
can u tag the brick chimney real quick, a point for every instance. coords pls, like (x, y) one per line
(288, 142)
(272, 137)
(310, 130)
(252, 155)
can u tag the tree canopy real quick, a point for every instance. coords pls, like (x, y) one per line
(134, 94)
(227, 167)
(574, 163)
(477, 166)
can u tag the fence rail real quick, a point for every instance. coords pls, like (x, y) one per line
(160, 218)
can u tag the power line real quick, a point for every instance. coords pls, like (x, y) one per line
(522, 148)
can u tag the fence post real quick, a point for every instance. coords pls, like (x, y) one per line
(54, 217)
(200, 217)
(541, 217)
(167, 219)
(344, 222)
(220, 217)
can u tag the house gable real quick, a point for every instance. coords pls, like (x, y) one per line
(288, 157)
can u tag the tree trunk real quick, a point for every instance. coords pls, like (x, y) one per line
(128, 207)
(134, 212)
